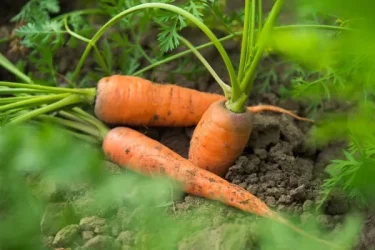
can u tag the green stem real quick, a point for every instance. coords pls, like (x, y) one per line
(4, 40)
(79, 12)
(12, 111)
(214, 23)
(144, 54)
(252, 35)
(71, 124)
(313, 26)
(11, 91)
(15, 99)
(140, 48)
(48, 89)
(103, 130)
(223, 85)
(245, 40)
(183, 53)
(86, 40)
(71, 116)
(182, 12)
(74, 34)
(70, 100)
(248, 80)
(33, 101)
(87, 138)
(205, 45)
(260, 14)
(8, 65)
(101, 59)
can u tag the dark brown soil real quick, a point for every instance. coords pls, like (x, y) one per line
(278, 166)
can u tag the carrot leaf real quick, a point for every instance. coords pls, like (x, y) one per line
(173, 23)
(168, 37)
(37, 11)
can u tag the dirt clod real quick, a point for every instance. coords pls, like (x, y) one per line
(87, 235)
(92, 223)
(261, 153)
(306, 217)
(88, 206)
(66, 236)
(176, 139)
(325, 221)
(48, 241)
(298, 193)
(266, 130)
(101, 242)
(337, 204)
(332, 151)
(125, 238)
(367, 239)
(56, 216)
(104, 229)
(224, 237)
(270, 201)
(307, 205)
(292, 133)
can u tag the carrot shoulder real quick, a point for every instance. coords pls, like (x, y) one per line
(135, 101)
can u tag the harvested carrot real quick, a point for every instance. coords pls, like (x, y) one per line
(133, 150)
(219, 138)
(136, 101)
(131, 100)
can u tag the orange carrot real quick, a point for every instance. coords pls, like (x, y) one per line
(219, 138)
(135, 101)
(134, 150)
(139, 153)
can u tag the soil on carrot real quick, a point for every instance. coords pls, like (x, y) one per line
(279, 166)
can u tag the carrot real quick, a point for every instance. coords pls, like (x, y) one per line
(134, 150)
(136, 101)
(219, 138)
(131, 100)
(139, 153)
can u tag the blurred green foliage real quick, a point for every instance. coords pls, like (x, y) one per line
(32, 155)
(341, 61)
(40, 163)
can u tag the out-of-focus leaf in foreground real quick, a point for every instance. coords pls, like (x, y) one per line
(36, 161)
(277, 236)
(343, 59)
(311, 48)
(28, 154)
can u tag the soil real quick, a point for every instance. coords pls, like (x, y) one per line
(278, 166)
